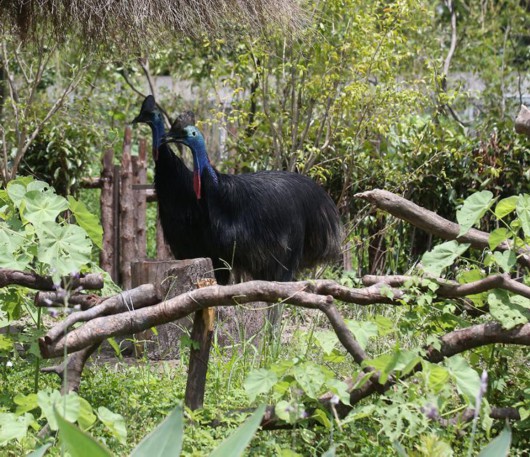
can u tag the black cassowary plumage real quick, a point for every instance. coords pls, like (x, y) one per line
(268, 224)
(180, 213)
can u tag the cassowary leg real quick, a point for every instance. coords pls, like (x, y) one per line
(275, 312)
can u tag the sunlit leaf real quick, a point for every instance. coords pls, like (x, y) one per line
(79, 443)
(509, 310)
(442, 256)
(87, 221)
(259, 381)
(505, 206)
(466, 378)
(114, 422)
(43, 207)
(362, 331)
(166, 439)
(13, 427)
(498, 236)
(473, 209)
(523, 212)
(499, 446)
(65, 248)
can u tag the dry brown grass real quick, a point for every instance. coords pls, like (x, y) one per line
(134, 22)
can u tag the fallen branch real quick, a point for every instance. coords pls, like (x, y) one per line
(34, 281)
(433, 223)
(453, 289)
(47, 299)
(144, 295)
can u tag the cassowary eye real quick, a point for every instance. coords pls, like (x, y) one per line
(194, 133)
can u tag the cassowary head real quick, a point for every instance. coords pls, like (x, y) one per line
(183, 131)
(151, 115)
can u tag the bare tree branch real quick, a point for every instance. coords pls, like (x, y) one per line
(34, 281)
(433, 223)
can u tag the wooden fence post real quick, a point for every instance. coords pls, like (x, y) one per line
(107, 214)
(127, 208)
(139, 168)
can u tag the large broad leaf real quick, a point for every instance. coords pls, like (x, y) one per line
(327, 340)
(114, 422)
(40, 451)
(523, 211)
(25, 403)
(14, 427)
(258, 382)
(50, 401)
(509, 310)
(505, 206)
(498, 236)
(466, 378)
(499, 446)
(43, 206)
(65, 248)
(166, 439)
(12, 253)
(79, 443)
(442, 256)
(310, 378)
(86, 416)
(363, 331)
(87, 220)
(473, 209)
(235, 445)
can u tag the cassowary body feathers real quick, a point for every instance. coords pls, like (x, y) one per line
(268, 224)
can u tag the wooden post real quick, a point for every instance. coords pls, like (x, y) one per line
(116, 184)
(139, 167)
(107, 214)
(201, 333)
(127, 209)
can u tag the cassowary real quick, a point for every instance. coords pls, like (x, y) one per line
(268, 224)
(180, 213)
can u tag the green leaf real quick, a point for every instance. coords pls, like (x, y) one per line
(114, 422)
(258, 382)
(283, 410)
(66, 249)
(384, 324)
(310, 378)
(467, 379)
(327, 340)
(471, 275)
(25, 403)
(498, 236)
(235, 445)
(330, 452)
(86, 416)
(12, 249)
(506, 260)
(509, 310)
(473, 209)
(523, 211)
(43, 207)
(437, 376)
(16, 191)
(505, 206)
(79, 443)
(442, 256)
(68, 405)
(499, 446)
(165, 439)
(14, 427)
(40, 451)
(362, 330)
(87, 221)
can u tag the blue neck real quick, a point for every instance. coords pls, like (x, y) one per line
(201, 162)
(158, 129)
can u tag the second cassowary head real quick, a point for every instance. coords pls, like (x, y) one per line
(151, 115)
(185, 132)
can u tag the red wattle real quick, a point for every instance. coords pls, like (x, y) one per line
(197, 184)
